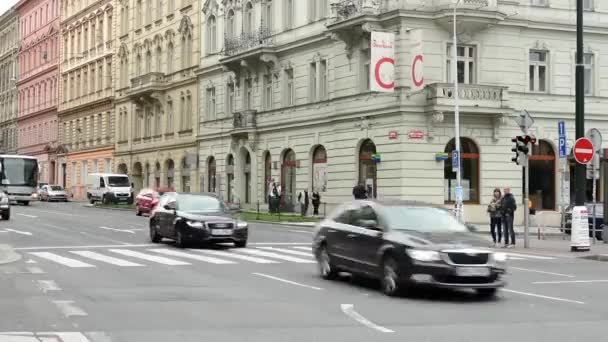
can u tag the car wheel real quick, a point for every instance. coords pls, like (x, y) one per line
(326, 269)
(486, 293)
(180, 240)
(6, 216)
(240, 244)
(26, 203)
(390, 277)
(137, 211)
(154, 236)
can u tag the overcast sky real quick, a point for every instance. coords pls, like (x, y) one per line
(6, 4)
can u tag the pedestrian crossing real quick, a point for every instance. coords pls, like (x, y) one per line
(167, 256)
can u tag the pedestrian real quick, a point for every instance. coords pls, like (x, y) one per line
(508, 206)
(276, 197)
(316, 201)
(495, 212)
(269, 197)
(304, 200)
(359, 191)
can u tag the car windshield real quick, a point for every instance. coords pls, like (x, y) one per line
(56, 188)
(117, 181)
(422, 219)
(199, 204)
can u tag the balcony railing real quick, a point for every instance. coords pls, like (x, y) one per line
(475, 95)
(150, 79)
(244, 120)
(248, 40)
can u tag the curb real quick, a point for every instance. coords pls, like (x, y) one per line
(8, 255)
(106, 208)
(290, 224)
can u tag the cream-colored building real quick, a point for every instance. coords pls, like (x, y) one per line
(86, 139)
(9, 52)
(284, 88)
(156, 92)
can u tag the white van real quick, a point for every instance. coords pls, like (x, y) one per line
(109, 188)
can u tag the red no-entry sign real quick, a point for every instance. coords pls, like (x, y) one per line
(583, 151)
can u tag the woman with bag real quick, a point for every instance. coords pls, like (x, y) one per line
(495, 212)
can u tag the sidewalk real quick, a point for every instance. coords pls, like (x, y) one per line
(556, 247)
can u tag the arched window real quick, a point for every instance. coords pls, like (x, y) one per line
(288, 177)
(170, 55)
(138, 65)
(367, 168)
(170, 165)
(185, 175)
(231, 25)
(157, 175)
(542, 176)
(158, 59)
(211, 172)
(186, 51)
(248, 17)
(267, 175)
(211, 35)
(148, 62)
(319, 169)
(469, 155)
(230, 178)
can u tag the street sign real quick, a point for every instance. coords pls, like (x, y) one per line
(524, 120)
(596, 138)
(563, 149)
(455, 160)
(583, 151)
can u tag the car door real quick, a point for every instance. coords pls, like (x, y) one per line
(367, 239)
(168, 216)
(340, 244)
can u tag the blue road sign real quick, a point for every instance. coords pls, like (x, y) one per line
(455, 160)
(561, 128)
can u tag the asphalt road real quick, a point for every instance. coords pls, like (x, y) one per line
(93, 275)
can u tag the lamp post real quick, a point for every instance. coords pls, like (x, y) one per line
(454, 66)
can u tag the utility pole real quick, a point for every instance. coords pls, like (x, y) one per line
(454, 66)
(579, 169)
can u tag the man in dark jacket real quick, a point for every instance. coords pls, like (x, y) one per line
(359, 191)
(508, 206)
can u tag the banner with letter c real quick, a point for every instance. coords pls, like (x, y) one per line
(417, 57)
(382, 62)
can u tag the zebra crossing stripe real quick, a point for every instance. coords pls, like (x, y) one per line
(238, 256)
(191, 256)
(61, 260)
(303, 248)
(105, 258)
(530, 256)
(148, 257)
(274, 255)
(288, 251)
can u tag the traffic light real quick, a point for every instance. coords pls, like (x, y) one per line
(522, 148)
(515, 150)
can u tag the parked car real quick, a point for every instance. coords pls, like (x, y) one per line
(5, 206)
(202, 218)
(599, 219)
(53, 193)
(405, 244)
(145, 201)
(109, 188)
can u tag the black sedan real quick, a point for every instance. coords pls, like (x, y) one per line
(405, 244)
(201, 218)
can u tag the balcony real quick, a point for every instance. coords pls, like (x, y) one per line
(248, 50)
(472, 15)
(244, 123)
(147, 84)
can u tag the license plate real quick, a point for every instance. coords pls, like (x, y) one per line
(473, 271)
(221, 232)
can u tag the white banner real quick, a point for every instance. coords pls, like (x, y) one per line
(417, 57)
(382, 66)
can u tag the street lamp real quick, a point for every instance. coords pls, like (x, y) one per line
(454, 66)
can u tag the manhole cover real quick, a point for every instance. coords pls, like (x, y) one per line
(599, 257)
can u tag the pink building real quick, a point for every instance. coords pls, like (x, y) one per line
(37, 85)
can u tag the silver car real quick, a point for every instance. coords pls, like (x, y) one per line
(53, 192)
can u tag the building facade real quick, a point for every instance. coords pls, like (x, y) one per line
(37, 85)
(284, 88)
(86, 113)
(156, 93)
(9, 62)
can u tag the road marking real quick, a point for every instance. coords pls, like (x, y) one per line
(31, 261)
(279, 243)
(274, 255)
(300, 231)
(544, 297)
(148, 257)
(349, 310)
(18, 231)
(68, 308)
(543, 272)
(288, 251)
(48, 285)
(34, 270)
(105, 258)
(571, 282)
(3, 231)
(26, 215)
(303, 248)
(287, 281)
(104, 238)
(61, 260)
(237, 256)
(530, 256)
(86, 246)
(192, 256)
(118, 230)
(44, 336)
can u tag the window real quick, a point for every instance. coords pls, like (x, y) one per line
(323, 83)
(149, 12)
(210, 103)
(182, 114)
(267, 175)
(290, 92)
(465, 64)
(107, 165)
(469, 154)
(147, 123)
(248, 24)
(542, 176)
(230, 98)
(188, 118)
(139, 14)
(138, 65)
(169, 124)
(289, 14)
(137, 123)
(100, 78)
(248, 94)
(83, 171)
(85, 82)
(159, 8)
(367, 167)
(171, 6)
(85, 37)
(231, 25)
(312, 10)
(73, 174)
(92, 78)
(267, 97)
(588, 5)
(186, 51)
(538, 71)
(588, 63)
(157, 120)
(211, 172)
(170, 58)
(539, 2)
(148, 62)
(211, 35)
(312, 82)
(158, 66)
(94, 166)
(267, 15)
(319, 169)
(99, 128)
(322, 10)
(365, 62)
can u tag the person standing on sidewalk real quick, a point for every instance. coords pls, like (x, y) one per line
(316, 201)
(508, 206)
(304, 201)
(359, 191)
(495, 212)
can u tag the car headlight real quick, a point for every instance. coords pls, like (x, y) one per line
(195, 224)
(500, 257)
(423, 255)
(241, 225)
(34, 195)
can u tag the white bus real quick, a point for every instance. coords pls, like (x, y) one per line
(19, 177)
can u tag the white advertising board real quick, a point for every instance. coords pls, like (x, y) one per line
(579, 237)
(382, 66)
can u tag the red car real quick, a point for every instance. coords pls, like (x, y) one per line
(147, 199)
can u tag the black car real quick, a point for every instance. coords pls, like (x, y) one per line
(405, 244)
(5, 206)
(202, 218)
